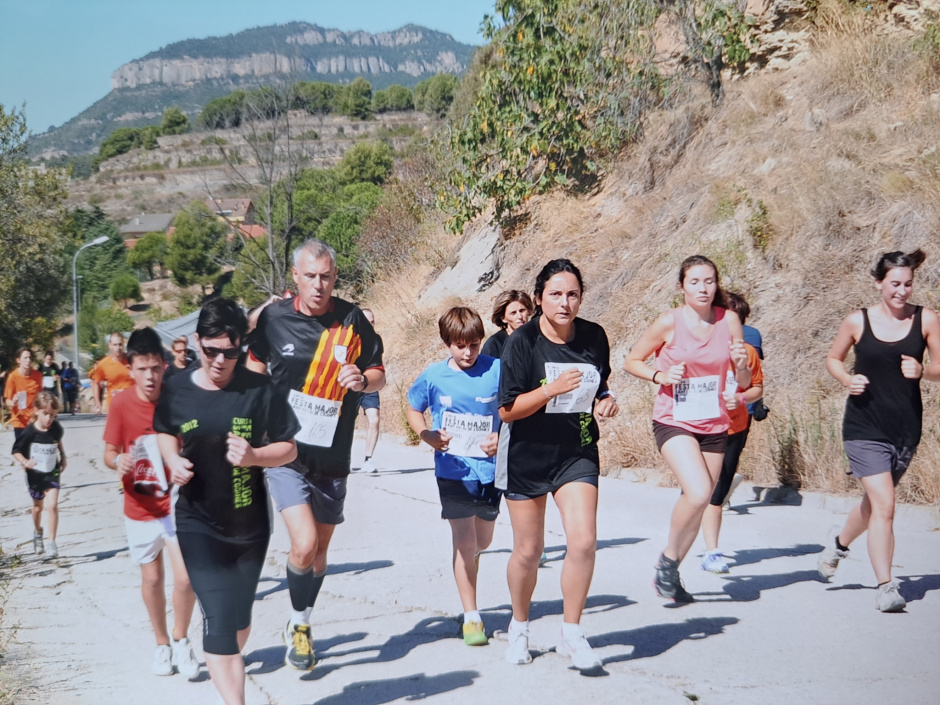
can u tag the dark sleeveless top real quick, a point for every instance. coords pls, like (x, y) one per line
(890, 409)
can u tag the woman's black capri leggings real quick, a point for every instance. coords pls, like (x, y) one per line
(224, 575)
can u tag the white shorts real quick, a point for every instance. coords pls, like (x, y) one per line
(145, 539)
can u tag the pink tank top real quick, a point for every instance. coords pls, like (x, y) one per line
(695, 404)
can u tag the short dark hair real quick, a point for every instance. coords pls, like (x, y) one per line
(556, 266)
(49, 352)
(460, 325)
(21, 351)
(144, 341)
(222, 317)
(894, 260)
(738, 304)
(696, 260)
(502, 303)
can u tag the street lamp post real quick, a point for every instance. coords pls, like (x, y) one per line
(96, 241)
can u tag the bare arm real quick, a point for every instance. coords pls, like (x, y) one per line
(372, 380)
(438, 440)
(180, 469)
(848, 335)
(255, 365)
(273, 455)
(63, 461)
(742, 373)
(27, 463)
(116, 459)
(652, 339)
(528, 403)
(931, 327)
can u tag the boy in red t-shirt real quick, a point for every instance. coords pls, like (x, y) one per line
(148, 515)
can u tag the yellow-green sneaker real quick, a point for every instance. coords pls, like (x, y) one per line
(473, 634)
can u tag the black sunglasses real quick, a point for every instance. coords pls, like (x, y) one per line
(227, 353)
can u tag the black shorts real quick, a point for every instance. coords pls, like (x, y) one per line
(224, 575)
(40, 482)
(369, 400)
(461, 499)
(729, 465)
(578, 469)
(867, 458)
(707, 442)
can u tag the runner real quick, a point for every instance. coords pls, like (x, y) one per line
(40, 451)
(369, 403)
(884, 411)
(511, 310)
(739, 420)
(70, 387)
(130, 448)
(553, 384)
(111, 371)
(50, 374)
(20, 390)
(697, 347)
(322, 354)
(219, 425)
(180, 360)
(461, 394)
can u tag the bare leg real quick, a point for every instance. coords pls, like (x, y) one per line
(372, 433)
(151, 589)
(528, 540)
(36, 512)
(711, 526)
(52, 512)
(697, 473)
(184, 599)
(463, 534)
(879, 491)
(856, 523)
(228, 676)
(577, 503)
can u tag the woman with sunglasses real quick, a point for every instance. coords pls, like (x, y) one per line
(219, 425)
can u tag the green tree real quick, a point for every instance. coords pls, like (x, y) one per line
(366, 161)
(400, 98)
(317, 98)
(148, 137)
(193, 250)
(97, 321)
(97, 266)
(33, 278)
(124, 288)
(121, 141)
(175, 122)
(147, 252)
(355, 100)
(341, 232)
(223, 113)
(434, 95)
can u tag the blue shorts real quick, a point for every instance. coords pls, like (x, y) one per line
(369, 400)
(461, 499)
(867, 458)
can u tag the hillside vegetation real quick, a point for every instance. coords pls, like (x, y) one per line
(794, 182)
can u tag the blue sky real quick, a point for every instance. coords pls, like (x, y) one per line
(57, 56)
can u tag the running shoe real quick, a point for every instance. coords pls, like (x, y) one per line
(368, 466)
(889, 598)
(714, 562)
(580, 652)
(162, 661)
(518, 651)
(38, 548)
(473, 634)
(829, 560)
(185, 658)
(52, 551)
(667, 582)
(299, 644)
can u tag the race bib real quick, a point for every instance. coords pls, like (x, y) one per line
(318, 418)
(48, 382)
(577, 401)
(468, 431)
(46, 456)
(696, 399)
(20, 399)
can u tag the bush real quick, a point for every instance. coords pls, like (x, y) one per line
(434, 95)
(366, 161)
(354, 100)
(125, 287)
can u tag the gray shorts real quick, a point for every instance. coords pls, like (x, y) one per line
(326, 496)
(867, 458)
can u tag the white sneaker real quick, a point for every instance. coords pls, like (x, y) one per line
(185, 658)
(368, 466)
(579, 650)
(52, 551)
(163, 661)
(888, 598)
(829, 561)
(518, 651)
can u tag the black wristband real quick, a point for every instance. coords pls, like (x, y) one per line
(653, 380)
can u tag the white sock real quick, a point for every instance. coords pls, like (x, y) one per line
(472, 616)
(517, 627)
(571, 632)
(299, 617)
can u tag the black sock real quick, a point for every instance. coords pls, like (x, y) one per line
(315, 585)
(299, 585)
(367, 458)
(840, 546)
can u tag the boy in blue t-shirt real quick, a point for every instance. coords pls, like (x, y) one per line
(461, 393)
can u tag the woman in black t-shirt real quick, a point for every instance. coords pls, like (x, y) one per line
(884, 411)
(552, 385)
(511, 310)
(231, 424)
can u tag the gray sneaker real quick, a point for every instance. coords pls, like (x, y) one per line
(889, 598)
(38, 547)
(667, 582)
(829, 561)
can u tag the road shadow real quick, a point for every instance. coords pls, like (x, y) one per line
(403, 471)
(414, 687)
(659, 638)
(750, 556)
(916, 587)
(748, 588)
(69, 561)
(333, 569)
(775, 496)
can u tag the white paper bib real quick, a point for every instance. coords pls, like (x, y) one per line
(46, 455)
(696, 399)
(318, 418)
(468, 431)
(577, 401)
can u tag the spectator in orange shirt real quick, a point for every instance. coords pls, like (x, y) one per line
(112, 371)
(21, 388)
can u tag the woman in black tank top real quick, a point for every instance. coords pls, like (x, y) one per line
(883, 413)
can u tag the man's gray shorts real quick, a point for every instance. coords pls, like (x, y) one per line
(867, 458)
(325, 495)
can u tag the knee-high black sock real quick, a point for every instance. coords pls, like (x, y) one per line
(300, 585)
(316, 582)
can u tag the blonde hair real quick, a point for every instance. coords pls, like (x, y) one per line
(45, 401)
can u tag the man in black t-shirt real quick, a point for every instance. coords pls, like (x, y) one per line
(50, 374)
(322, 354)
